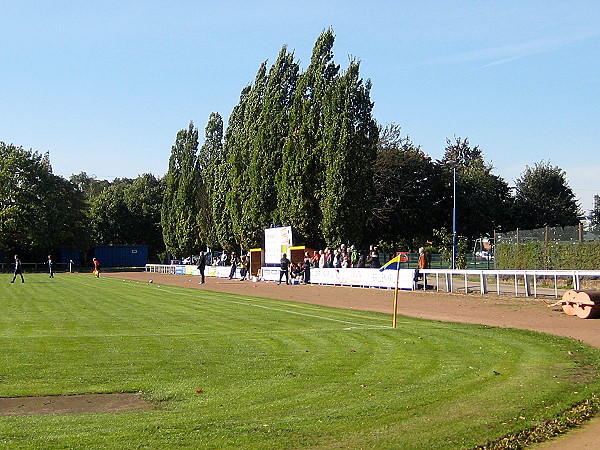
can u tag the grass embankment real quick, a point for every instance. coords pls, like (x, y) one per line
(241, 372)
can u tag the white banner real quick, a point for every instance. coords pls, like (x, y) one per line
(353, 277)
(335, 277)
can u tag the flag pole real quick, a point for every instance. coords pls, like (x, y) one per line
(396, 292)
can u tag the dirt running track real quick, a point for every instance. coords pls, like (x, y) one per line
(491, 309)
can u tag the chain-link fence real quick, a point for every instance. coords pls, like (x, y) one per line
(547, 234)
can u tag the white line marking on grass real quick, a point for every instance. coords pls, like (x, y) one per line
(200, 333)
(289, 311)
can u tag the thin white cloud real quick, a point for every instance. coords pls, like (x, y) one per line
(511, 52)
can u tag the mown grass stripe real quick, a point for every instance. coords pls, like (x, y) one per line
(273, 374)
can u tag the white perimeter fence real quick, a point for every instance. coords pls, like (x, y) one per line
(525, 282)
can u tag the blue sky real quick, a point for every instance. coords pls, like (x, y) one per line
(104, 86)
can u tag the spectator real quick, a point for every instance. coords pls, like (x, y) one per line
(337, 259)
(244, 268)
(234, 263)
(374, 259)
(315, 260)
(353, 256)
(345, 261)
(297, 271)
(328, 258)
(201, 266)
(306, 266)
(284, 269)
(360, 263)
(224, 259)
(423, 264)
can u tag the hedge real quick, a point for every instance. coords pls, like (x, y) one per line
(549, 255)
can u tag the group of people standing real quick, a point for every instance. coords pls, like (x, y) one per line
(343, 257)
(19, 268)
(242, 262)
(300, 270)
(18, 271)
(340, 257)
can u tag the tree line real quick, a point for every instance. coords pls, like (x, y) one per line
(301, 149)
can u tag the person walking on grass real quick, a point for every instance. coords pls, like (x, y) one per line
(50, 268)
(18, 270)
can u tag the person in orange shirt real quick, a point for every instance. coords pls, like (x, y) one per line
(423, 264)
(96, 267)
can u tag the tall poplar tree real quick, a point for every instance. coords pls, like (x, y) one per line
(223, 198)
(267, 136)
(212, 164)
(239, 141)
(301, 177)
(179, 212)
(349, 148)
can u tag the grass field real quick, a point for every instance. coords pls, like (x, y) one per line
(272, 374)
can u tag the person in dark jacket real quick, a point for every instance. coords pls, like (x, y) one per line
(18, 270)
(201, 266)
(284, 269)
(50, 268)
(234, 263)
(306, 266)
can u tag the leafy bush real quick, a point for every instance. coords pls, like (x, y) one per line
(552, 255)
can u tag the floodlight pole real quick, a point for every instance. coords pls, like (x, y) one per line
(454, 236)
(454, 220)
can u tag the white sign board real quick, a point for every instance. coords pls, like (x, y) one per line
(277, 242)
(353, 277)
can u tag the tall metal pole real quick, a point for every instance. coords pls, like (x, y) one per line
(454, 219)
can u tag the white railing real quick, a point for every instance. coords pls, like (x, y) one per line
(523, 281)
(160, 268)
(517, 282)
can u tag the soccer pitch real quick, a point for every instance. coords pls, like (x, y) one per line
(226, 371)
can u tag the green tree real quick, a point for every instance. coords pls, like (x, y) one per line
(239, 142)
(595, 215)
(267, 138)
(111, 221)
(39, 211)
(350, 140)
(180, 207)
(224, 200)
(544, 198)
(300, 180)
(211, 163)
(483, 199)
(128, 212)
(143, 198)
(409, 193)
(89, 185)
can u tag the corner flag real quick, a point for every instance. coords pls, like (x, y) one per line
(392, 264)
